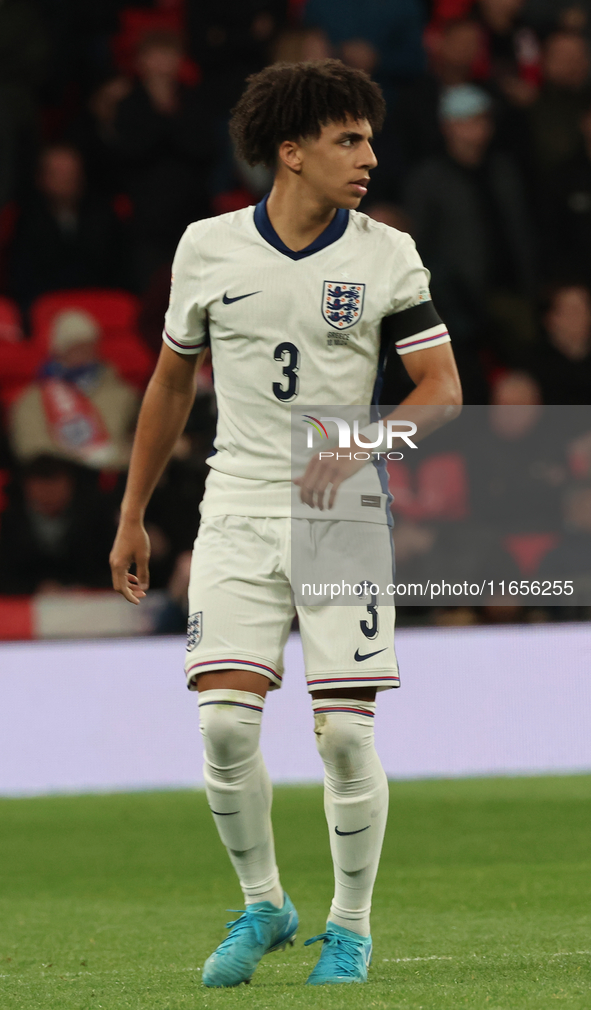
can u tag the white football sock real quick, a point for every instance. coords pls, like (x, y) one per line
(355, 803)
(239, 790)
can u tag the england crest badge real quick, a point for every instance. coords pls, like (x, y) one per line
(342, 304)
(194, 626)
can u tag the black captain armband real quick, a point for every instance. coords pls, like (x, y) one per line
(414, 329)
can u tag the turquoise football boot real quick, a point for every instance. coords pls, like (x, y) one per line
(345, 957)
(259, 930)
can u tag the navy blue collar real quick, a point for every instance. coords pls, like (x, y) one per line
(333, 231)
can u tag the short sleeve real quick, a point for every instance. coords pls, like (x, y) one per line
(413, 324)
(185, 322)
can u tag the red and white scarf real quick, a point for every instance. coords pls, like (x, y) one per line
(74, 422)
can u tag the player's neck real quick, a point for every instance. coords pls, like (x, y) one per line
(298, 215)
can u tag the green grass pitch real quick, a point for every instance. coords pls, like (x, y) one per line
(483, 900)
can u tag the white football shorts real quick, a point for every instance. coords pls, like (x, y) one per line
(241, 605)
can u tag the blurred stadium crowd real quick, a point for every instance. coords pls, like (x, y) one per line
(113, 137)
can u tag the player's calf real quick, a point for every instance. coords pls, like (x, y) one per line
(238, 789)
(356, 805)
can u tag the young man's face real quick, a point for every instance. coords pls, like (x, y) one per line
(336, 165)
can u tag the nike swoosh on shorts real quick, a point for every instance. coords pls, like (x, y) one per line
(359, 659)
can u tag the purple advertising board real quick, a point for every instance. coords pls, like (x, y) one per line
(115, 715)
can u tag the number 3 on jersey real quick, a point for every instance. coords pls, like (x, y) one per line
(290, 369)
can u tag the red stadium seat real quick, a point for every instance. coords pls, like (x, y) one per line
(448, 10)
(19, 363)
(529, 549)
(295, 10)
(11, 329)
(16, 618)
(116, 313)
(437, 490)
(232, 199)
(136, 22)
(114, 310)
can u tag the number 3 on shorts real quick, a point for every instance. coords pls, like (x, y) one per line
(371, 630)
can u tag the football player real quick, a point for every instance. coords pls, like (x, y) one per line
(290, 296)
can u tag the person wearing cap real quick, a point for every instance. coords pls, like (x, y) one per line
(471, 225)
(79, 408)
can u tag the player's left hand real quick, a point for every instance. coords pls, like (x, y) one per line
(320, 474)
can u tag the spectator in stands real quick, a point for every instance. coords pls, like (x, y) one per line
(471, 225)
(517, 465)
(431, 506)
(93, 133)
(164, 137)
(563, 364)
(571, 558)
(453, 51)
(79, 409)
(512, 49)
(385, 39)
(230, 40)
(509, 65)
(80, 50)
(23, 57)
(67, 236)
(526, 487)
(482, 499)
(564, 97)
(390, 214)
(172, 518)
(55, 532)
(566, 212)
(514, 389)
(546, 15)
(298, 44)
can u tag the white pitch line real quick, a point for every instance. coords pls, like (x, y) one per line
(431, 957)
(392, 960)
(459, 957)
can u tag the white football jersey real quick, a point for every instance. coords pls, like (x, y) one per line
(288, 327)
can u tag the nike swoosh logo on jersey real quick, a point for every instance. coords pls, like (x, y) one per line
(359, 659)
(358, 832)
(220, 814)
(228, 301)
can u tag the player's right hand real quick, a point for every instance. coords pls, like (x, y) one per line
(132, 545)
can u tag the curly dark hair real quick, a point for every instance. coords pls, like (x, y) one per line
(290, 100)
